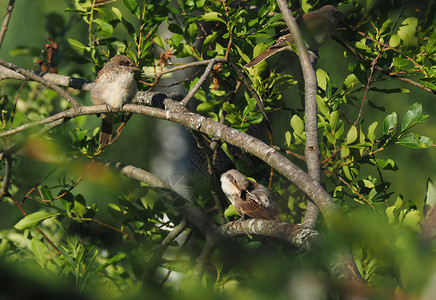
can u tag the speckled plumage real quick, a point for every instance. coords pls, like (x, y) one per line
(114, 86)
(249, 198)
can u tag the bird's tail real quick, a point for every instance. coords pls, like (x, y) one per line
(261, 57)
(106, 130)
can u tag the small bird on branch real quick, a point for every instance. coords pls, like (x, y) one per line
(115, 86)
(249, 198)
(316, 27)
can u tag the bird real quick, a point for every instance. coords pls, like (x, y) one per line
(249, 198)
(316, 27)
(114, 86)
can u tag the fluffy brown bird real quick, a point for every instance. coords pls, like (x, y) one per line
(249, 198)
(115, 85)
(316, 26)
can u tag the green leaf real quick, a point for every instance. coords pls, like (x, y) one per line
(288, 138)
(389, 123)
(117, 257)
(322, 106)
(334, 117)
(159, 41)
(331, 138)
(387, 164)
(413, 140)
(407, 32)
(391, 209)
(105, 28)
(213, 16)
(39, 249)
(352, 135)
(368, 184)
(207, 106)
(371, 131)
(115, 211)
(175, 28)
(413, 116)
(209, 39)
(386, 25)
(242, 54)
(230, 211)
(117, 13)
(78, 46)
(34, 219)
(297, 124)
(350, 81)
(191, 32)
(105, 14)
(395, 40)
(322, 78)
(411, 220)
(249, 108)
(79, 205)
(345, 151)
(132, 6)
(400, 62)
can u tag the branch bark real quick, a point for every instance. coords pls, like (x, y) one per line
(6, 21)
(310, 112)
(33, 76)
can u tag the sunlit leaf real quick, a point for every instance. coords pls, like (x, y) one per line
(34, 219)
(352, 135)
(389, 123)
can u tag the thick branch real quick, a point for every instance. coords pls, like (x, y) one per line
(200, 123)
(59, 80)
(296, 235)
(33, 76)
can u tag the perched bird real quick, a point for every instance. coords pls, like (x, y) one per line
(249, 198)
(115, 85)
(316, 27)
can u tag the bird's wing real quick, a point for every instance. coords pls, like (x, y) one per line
(254, 210)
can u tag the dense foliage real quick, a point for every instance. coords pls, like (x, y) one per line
(88, 230)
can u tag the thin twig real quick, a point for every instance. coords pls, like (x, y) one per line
(383, 71)
(351, 188)
(13, 149)
(20, 207)
(373, 64)
(158, 253)
(158, 76)
(6, 21)
(7, 178)
(198, 84)
(393, 49)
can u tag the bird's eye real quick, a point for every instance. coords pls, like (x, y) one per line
(234, 181)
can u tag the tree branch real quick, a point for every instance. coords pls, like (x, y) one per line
(179, 114)
(383, 71)
(6, 21)
(198, 84)
(59, 80)
(296, 235)
(33, 76)
(310, 112)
